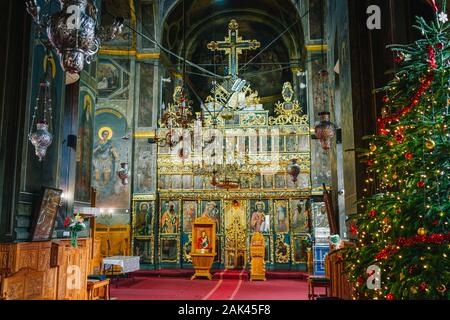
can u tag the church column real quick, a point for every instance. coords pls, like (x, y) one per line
(14, 56)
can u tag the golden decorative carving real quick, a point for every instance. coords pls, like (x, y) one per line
(282, 249)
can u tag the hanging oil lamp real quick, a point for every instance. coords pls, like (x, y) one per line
(41, 139)
(325, 130)
(293, 170)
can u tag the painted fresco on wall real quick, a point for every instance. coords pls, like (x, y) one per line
(281, 215)
(189, 214)
(170, 217)
(109, 151)
(260, 216)
(144, 164)
(84, 145)
(143, 218)
(212, 209)
(113, 78)
(145, 113)
(300, 216)
(117, 8)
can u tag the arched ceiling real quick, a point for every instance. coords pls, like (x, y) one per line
(262, 20)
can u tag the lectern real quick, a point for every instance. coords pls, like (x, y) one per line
(258, 267)
(203, 246)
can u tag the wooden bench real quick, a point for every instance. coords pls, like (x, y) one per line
(98, 289)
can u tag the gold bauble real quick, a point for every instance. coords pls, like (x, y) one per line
(391, 143)
(430, 144)
(442, 214)
(421, 231)
(387, 228)
(373, 147)
(413, 290)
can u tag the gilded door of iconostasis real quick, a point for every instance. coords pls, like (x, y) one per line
(235, 250)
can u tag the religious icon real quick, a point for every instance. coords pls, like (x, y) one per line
(300, 211)
(143, 219)
(281, 214)
(44, 220)
(189, 212)
(169, 249)
(142, 248)
(260, 219)
(320, 216)
(282, 250)
(211, 209)
(105, 157)
(169, 218)
(203, 242)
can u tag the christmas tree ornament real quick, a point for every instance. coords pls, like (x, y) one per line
(421, 232)
(372, 213)
(441, 289)
(387, 229)
(420, 184)
(409, 156)
(430, 144)
(413, 290)
(369, 162)
(373, 147)
(442, 214)
(423, 286)
(390, 296)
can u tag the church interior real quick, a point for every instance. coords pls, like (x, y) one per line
(224, 150)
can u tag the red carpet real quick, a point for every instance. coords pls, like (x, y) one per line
(187, 273)
(184, 289)
(232, 275)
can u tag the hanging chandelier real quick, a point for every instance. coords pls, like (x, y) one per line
(72, 32)
(228, 175)
(177, 115)
(41, 139)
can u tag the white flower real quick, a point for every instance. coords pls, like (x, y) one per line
(443, 17)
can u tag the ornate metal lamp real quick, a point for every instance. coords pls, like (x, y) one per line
(42, 138)
(73, 32)
(293, 170)
(325, 130)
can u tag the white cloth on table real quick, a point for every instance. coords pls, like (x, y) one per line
(127, 263)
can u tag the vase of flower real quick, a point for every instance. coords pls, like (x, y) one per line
(74, 224)
(74, 239)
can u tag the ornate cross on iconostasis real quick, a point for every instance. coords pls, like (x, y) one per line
(233, 47)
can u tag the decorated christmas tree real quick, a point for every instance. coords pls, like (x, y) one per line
(403, 241)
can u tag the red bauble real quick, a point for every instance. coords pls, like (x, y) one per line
(423, 286)
(390, 296)
(409, 156)
(399, 211)
(373, 213)
(369, 162)
(386, 99)
(420, 184)
(400, 138)
(440, 46)
(360, 280)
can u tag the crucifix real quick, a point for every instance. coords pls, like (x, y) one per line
(233, 47)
